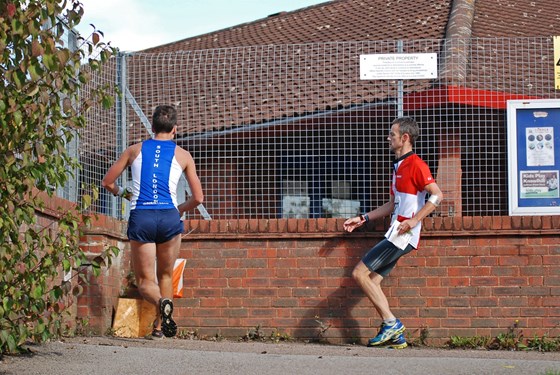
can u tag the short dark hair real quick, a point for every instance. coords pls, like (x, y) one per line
(408, 125)
(164, 119)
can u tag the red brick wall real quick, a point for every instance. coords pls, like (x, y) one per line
(96, 305)
(471, 277)
(92, 310)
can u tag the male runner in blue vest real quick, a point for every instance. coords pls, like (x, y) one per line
(154, 225)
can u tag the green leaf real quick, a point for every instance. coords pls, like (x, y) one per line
(37, 292)
(18, 118)
(108, 102)
(40, 327)
(17, 26)
(86, 199)
(49, 61)
(56, 293)
(19, 79)
(7, 303)
(35, 71)
(11, 341)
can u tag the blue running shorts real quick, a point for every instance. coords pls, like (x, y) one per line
(383, 257)
(154, 226)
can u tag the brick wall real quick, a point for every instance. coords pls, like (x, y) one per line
(92, 310)
(470, 277)
(96, 304)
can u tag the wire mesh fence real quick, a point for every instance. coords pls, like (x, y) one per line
(292, 131)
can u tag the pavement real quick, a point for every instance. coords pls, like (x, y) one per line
(111, 355)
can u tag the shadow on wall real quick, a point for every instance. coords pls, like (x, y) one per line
(331, 320)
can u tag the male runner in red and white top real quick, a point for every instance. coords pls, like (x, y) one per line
(412, 180)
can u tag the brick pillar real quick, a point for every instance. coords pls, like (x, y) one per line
(96, 304)
(449, 174)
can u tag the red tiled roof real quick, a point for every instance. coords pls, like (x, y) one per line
(528, 72)
(288, 65)
(516, 18)
(332, 21)
(360, 20)
(298, 63)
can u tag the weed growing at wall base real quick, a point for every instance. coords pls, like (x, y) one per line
(257, 334)
(510, 340)
(473, 342)
(187, 334)
(421, 340)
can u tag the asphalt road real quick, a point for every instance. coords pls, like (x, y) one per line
(108, 355)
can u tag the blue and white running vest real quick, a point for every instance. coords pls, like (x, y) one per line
(155, 174)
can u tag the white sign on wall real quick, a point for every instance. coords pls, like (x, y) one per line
(399, 66)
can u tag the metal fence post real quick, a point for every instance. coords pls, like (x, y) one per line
(121, 210)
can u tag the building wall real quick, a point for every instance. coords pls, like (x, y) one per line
(470, 277)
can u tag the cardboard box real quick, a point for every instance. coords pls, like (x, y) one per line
(133, 318)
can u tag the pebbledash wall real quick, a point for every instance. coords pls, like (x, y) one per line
(472, 276)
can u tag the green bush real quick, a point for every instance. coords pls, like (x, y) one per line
(40, 111)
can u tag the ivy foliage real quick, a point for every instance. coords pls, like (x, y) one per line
(40, 112)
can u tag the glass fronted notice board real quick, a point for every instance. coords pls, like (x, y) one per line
(533, 154)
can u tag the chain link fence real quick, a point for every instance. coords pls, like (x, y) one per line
(292, 131)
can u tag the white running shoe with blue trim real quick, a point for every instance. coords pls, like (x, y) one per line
(386, 333)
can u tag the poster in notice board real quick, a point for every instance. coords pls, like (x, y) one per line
(533, 154)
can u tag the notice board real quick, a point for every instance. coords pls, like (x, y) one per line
(533, 154)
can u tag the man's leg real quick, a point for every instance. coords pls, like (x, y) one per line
(391, 328)
(167, 253)
(143, 263)
(370, 282)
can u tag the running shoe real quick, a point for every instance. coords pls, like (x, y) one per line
(398, 342)
(386, 333)
(168, 326)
